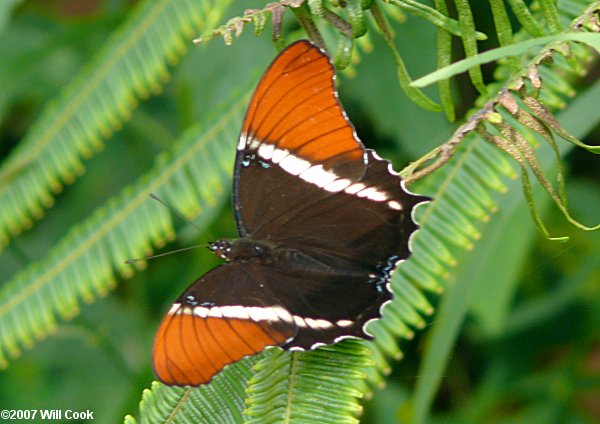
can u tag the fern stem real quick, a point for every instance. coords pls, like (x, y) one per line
(291, 385)
(173, 415)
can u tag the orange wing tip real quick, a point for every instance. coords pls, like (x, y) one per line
(191, 350)
(295, 108)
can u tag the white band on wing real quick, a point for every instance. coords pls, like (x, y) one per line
(314, 174)
(257, 313)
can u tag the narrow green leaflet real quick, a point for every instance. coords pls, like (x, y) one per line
(592, 40)
(6, 8)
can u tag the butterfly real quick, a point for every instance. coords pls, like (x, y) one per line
(322, 221)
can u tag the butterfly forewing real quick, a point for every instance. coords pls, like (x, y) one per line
(295, 109)
(344, 212)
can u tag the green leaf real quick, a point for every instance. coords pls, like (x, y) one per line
(475, 266)
(593, 40)
(467, 28)
(193, 178)
(504, 30)
(6, 8)
(132, 65)
(322, 385)
(551, 15)
(404, 79)
(525, 18)
(221, 401)
(437, 17)
(444, 58)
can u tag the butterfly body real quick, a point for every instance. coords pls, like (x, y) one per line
(243, 249)
(322, 221)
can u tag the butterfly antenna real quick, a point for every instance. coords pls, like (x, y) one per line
(180, 215)
(176, 212)
(132, 261)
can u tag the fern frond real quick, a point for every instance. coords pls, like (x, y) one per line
(475, 266)
(222, 401)
(322, 385)
(131, 66)
(235, 26)
(443, 338)
(83, 264)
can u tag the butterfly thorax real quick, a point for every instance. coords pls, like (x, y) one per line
(295, 262)
(267, 253)
(242, 248)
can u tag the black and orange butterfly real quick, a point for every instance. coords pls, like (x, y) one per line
(322, 223)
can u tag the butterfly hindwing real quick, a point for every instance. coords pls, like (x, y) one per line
(325, 306)
(233, 319)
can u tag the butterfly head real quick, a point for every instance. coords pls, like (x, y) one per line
(222, 248)
(242, 248)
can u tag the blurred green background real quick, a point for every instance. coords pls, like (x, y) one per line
(528, 351)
